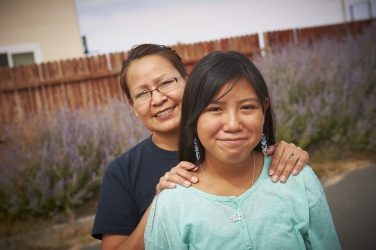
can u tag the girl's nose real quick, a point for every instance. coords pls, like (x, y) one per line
(232, 122)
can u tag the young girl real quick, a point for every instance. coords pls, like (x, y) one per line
(227, 120)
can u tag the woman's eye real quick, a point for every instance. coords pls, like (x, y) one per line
(167, 82)
(140, 95)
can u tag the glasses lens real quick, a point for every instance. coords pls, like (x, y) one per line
(167, 85)
(163, 87)
(141, 97)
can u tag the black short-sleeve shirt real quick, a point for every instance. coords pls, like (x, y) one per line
(129, 186)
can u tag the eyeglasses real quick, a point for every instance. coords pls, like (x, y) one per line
(164, 87)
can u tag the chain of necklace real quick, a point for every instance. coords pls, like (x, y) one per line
(236, 216)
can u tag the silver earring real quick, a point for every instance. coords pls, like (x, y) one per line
(196, 149)
(263, 144)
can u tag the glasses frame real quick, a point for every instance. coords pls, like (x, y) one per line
(151, 91)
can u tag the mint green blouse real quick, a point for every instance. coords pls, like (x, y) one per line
(291, 215)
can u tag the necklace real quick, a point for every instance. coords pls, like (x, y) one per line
(236, 216)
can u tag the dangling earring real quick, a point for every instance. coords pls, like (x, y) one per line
(263, 144)
(196, 149)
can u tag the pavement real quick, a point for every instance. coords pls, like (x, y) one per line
(352, 201)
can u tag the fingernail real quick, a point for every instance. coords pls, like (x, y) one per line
(295, 172)
(283, 178)
(194, 179)
(186, 183)
(192, 168)
(271, 171)
(172, 185)
(275, 178)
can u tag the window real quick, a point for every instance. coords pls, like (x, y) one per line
(23, 58)
(21, 54)
(4, 60)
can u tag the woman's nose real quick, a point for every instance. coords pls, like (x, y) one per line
(157, 97)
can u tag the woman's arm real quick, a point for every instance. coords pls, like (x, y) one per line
(280, 168)
(122, 242)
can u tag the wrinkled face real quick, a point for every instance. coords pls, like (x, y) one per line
(231, 127)
(162, 113)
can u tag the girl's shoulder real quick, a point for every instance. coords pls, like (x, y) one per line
(305, 185)
(312, 184)
(175, 195)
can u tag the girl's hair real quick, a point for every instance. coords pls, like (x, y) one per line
(206, 78)
(142, 50)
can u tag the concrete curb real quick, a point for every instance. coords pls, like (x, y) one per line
(51, 237)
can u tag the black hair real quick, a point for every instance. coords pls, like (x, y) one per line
(207, 77)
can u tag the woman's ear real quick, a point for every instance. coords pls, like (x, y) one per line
(137, 115)
(131, 105)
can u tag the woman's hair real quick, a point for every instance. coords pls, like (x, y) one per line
(142, 50)
(206, 78)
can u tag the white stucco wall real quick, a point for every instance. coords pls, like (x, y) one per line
(49, 25)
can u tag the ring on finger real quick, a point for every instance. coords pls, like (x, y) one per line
(166, 176)
(292, 156)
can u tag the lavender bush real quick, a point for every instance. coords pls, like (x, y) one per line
(325, 93)
(57, 163)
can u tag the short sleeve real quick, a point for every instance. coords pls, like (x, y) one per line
(157, 234)
(116, 212)
(321, 232)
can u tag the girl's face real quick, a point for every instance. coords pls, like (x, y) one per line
(231, 127)
(162, 112)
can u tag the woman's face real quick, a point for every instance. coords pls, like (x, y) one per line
(229, 128)
(162, 113)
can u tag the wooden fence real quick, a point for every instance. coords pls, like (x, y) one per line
(85, 82)
(281, 38)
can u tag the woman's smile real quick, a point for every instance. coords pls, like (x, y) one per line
(164, 112)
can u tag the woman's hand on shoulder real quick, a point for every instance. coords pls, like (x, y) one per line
(287, 158)
(182, 174)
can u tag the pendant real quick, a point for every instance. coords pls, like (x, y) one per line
(236, 217)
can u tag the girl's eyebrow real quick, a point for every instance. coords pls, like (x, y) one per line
(240, 101)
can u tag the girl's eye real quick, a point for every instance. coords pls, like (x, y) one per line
(214, 109)
(248, 107)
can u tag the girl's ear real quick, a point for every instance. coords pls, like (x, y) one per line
(266, 104)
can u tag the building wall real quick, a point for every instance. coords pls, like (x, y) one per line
(50, 26)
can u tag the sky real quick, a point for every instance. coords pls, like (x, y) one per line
(117, 25)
